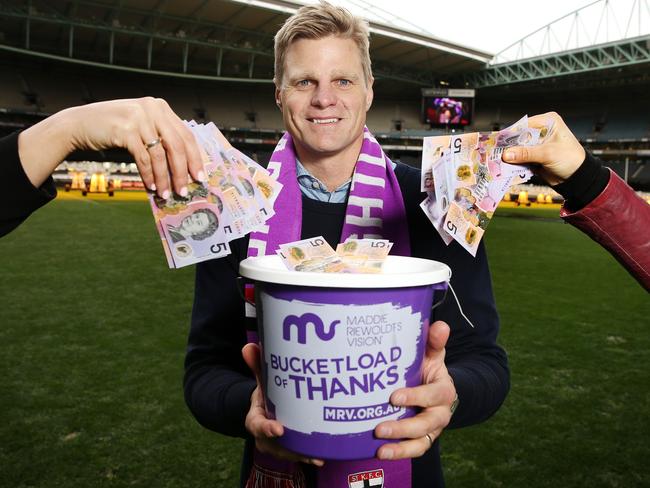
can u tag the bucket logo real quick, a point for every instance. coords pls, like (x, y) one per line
(367, 479)
(301, 324)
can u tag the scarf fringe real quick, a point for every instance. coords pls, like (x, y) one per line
(265, 478)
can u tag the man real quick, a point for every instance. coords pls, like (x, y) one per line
(324, 89)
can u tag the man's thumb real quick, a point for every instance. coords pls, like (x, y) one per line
(438, 336)
(251, 354)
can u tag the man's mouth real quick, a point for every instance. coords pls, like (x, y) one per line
(331, 120)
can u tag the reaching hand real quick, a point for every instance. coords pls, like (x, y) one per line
(164, 149)
(559, 156)
(265, 430)
(436, 396)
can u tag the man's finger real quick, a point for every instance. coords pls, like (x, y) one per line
(251, 355)
(437, 338)
(406, 449)
(429, 420)
(428, 395)
(270, 446)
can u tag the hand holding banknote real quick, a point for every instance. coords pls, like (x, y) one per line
(465, 178)
(236, 197)
(560, 155)
(164, 149)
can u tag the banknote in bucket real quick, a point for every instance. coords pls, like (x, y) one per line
(351, 256)
(313, 254)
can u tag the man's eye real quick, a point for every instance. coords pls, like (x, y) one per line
(303, 83)
(344, 82)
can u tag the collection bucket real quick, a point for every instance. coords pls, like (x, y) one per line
(335, 346)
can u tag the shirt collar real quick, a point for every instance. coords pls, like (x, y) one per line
(306, 180)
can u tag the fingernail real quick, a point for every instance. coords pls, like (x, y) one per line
(153, 187)
(387, 454)
(201, 176)
(165, 195)
(183, 192)
(398, 399)
(509, 155)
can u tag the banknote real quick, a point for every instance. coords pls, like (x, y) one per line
(431, 151)
(463, 226)
(465, 160)
(237, 198)
(194, 234)
(313, 254)
(437, 219)
(442, 182)
(351, 256)
(364, 255)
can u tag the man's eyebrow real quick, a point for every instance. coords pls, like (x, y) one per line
(345, 74)
(337, 74)
(305, 75)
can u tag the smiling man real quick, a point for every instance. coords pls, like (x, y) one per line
(324, 93)
(338, 183)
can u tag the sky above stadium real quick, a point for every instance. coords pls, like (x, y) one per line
(488, 26)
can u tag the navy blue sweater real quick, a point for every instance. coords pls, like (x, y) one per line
(218, 384)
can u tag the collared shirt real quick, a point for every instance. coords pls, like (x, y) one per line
(313, 188)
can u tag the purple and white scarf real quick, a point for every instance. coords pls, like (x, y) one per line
(376, 210)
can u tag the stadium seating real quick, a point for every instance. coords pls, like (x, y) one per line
(30, 89)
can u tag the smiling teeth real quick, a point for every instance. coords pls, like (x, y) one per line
(324, 121)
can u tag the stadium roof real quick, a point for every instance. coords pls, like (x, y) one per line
(213, 39)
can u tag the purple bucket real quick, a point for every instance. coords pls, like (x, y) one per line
(335, 346)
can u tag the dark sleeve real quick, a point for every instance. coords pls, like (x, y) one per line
(19, 197)
(217, 382)
(477, 364)
(583, 186)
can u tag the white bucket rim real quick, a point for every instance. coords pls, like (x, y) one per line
(397, 272)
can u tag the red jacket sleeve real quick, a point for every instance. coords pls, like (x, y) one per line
(619, 220)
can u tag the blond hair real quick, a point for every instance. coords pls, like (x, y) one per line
(317, 22)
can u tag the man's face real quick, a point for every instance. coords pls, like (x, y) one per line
(195, 223)
(324, 97)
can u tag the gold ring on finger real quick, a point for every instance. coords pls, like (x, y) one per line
(428, 436)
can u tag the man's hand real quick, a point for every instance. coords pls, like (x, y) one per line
(435, 396)
(559, 156)
(263, 429)
(130, 124)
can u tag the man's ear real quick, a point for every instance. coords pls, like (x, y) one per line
(369, 93)
(278, 100)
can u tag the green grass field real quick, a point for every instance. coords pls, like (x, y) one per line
(93, 330)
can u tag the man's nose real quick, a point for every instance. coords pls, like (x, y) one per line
(324, 95)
